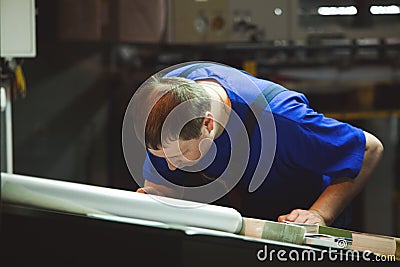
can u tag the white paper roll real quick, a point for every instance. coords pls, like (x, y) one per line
(88, 199)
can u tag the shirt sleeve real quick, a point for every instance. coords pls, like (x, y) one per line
(156, 170)
(319, 144)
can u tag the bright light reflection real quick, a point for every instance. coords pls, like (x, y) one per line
(384, 10)
(337, 10)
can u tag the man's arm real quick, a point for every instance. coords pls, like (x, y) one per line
(341, 191)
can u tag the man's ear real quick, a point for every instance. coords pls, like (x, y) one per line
(208, 121)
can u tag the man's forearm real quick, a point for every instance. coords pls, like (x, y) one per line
(342, 190)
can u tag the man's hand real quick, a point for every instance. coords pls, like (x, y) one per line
(159, 190)
(149, 190)
(303, 216)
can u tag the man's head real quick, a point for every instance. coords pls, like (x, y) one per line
(180, 137)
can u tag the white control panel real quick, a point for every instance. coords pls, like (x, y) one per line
(17, 28)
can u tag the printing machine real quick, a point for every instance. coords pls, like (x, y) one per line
(36, 230)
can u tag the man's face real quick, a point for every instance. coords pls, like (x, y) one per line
(184, 153)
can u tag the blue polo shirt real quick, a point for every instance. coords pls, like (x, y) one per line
(311, 150)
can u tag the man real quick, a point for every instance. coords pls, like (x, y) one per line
(313, 166)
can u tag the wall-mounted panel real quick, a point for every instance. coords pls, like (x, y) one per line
(17, 28)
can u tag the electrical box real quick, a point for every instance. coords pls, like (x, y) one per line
(17, 28)
(194, 21)
(207, 21)
(198, 21)
(255, 20)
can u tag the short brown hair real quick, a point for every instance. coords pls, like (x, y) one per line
(175, 91)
